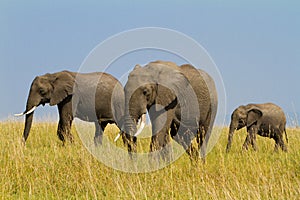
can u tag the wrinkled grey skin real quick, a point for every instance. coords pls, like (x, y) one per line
(93, 97)
(267, 120)
(164, 90)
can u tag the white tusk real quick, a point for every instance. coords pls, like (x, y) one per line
(19, 114)
(119, 134)
(28, 112)
(31, 110)
(143, 123)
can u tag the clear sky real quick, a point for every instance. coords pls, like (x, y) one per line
(255, 44)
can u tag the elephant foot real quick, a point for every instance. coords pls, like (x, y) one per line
(71, 138)
(254, 147)
(284, 148)
(63, 143)
(23, 142)
(62, 138)
(228, 149)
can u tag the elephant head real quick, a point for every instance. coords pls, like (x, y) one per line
(49, 88)
(243, 116)
(158, 87)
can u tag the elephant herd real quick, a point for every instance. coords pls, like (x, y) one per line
(181, 102)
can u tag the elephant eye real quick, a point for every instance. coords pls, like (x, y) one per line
(145, 92)
(42, 91)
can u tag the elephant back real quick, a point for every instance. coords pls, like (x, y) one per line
(270, 110)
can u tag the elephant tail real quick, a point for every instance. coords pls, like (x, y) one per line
(286, 137)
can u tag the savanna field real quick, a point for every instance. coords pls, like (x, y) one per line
(45, 169)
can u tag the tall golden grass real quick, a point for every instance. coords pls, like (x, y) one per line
(45, 169)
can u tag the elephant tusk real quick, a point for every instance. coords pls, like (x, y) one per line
(117, 137)
(143, 123)
(19, 114)
(28, 112)
(31, 110)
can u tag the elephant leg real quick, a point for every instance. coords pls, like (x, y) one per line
(154, 147)
(185, 138)
(251, 138)
(164, 142)
(173, 131)
(193, 150)
(200, 137)
(247, 142)
(283, 146)
(253, 141)
(98, 134)
(177, 136)
(276, 145)
(160, 146)
(64, 130)
(203, 141)
(279, 142)
(65, 121)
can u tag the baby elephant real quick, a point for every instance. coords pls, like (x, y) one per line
(267, 120)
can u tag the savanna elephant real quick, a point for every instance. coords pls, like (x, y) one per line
(95, 97)
(182, 100)
(267, 120)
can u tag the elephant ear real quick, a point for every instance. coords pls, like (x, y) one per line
(62, 87)
(253, 116)
(168, 83)
(166, 97)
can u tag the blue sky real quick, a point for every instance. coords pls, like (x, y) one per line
(255, 44)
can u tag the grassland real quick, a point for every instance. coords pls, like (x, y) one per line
(44, 169)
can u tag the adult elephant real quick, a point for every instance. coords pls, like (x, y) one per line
(94, 97)
(182, 100)
(267, 120)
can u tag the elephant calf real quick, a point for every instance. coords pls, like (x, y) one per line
(267, 120)
(94, 97)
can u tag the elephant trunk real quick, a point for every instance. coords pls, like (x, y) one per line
(30, 107)
(28, 123)
(130, 126)
(232, 128)
(129, 117)
(130, 130)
